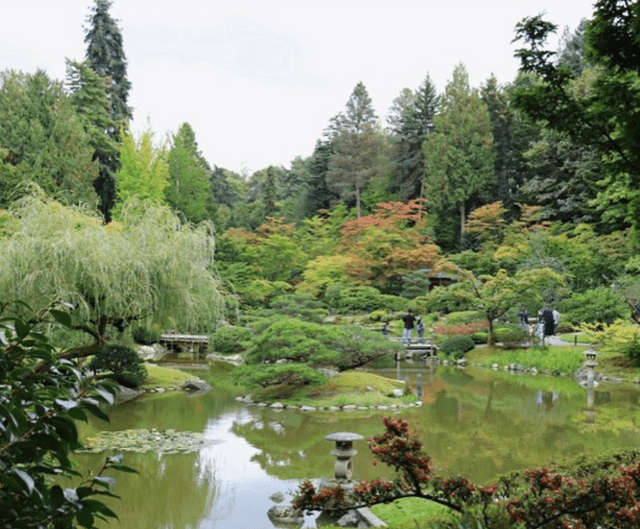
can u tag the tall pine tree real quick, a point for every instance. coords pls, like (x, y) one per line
(459, 154)
(105, 54)
(357, 146)
(411, 121)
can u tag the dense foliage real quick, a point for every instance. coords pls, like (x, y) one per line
(147, 268)
(121, 363)
(338, 346)
(42, 395)
(604, 492)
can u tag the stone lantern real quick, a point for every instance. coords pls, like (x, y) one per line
(344, 451)
(590, 364)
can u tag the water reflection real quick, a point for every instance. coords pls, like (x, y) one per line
(474, 422)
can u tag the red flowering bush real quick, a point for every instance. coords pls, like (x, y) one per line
(461, 329)
(603, 493)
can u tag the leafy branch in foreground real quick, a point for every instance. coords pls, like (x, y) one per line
(602, 493)
(42, 394)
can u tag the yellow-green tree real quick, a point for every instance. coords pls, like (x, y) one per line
(494, 295)
(144, 170)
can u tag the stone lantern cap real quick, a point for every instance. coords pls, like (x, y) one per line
(590, 354)
(344, 437)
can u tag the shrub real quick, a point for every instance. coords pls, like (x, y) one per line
(230, 339)
(456, 346)
(598, 305)
(395, 303)
(480, 337)
(123, 363)
(465, 317)
(512, 337)
(461, 329)
(620, 336)
(377, 315)
(44, 392)
(292, 375)
(355, 299)
(298, 305)
(344, 346)
(146, 336)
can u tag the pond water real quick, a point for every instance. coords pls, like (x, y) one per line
(474, 422)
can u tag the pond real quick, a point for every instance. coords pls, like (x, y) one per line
(475, 422)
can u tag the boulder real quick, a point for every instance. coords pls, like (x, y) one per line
(196, 385)
(151, 353)
(285, 516)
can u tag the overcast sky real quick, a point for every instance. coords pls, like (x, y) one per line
(259, 80)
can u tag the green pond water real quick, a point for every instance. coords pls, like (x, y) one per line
(475, 422)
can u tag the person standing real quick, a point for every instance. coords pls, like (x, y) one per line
(524, 318)
(556, 320)
(420, 329)
(547, 322)
(407, 332)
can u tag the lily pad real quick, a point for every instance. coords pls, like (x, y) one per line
(142, 441)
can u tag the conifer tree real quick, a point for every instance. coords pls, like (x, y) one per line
(412, 121)
(106, 57)
(189, 186)
(357, 145)
(105, 54)
(459, 155)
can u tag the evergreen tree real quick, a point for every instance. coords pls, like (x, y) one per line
(106, 57)
(43, 140)
(459, 154)
(573, 48)
(189, 188)
(105, 54)
(411, 122)
(357, 146)
(508, 159)
(320, 196)
(599, 109)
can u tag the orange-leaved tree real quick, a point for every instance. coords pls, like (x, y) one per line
(387, 244)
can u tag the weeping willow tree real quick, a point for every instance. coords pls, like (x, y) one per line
(147, 267)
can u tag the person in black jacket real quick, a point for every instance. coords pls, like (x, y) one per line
(409, 320)
(548, 323)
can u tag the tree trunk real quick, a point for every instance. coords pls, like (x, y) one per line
(463, 221)
(492, 336)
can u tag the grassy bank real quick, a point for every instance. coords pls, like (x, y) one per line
(557, 359)
(359, 388)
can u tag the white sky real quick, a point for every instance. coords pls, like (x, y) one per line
(259, 80)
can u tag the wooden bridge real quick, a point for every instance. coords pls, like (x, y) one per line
(421, 350)
(190, 343)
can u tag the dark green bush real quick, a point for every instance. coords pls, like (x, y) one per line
(354, 299)
(456, 346)
(293, 375)
(512, 337)
(230, 339)
(145, 336)
(632, 350)
(123, 364)
(296, 305)
(341, 346)
(598, 305)
(480, 337)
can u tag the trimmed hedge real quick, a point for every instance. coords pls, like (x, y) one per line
(456, 346)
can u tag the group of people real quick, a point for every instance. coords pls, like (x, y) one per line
(548, 320)
(409, 322)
